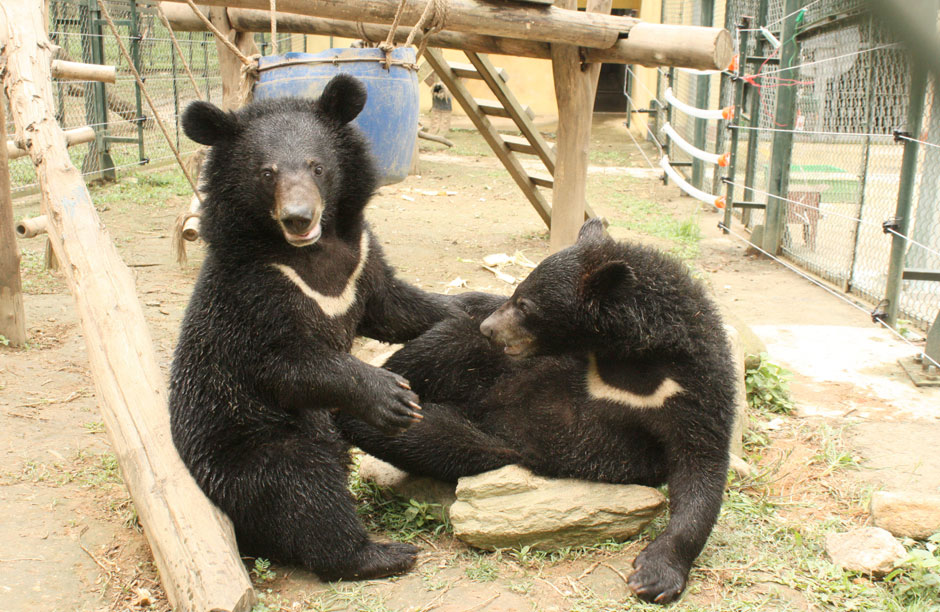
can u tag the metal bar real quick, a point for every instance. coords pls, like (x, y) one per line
(782, 147)
(920, 275)
(667, 145)
(735, 120)
(135, 57)
(915, 116)
(702, 87)
(750, 162)
(748, 205)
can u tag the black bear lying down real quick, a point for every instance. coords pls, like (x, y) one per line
(608, 363)
(291, 276)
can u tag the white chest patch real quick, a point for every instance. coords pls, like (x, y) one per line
(338, 305)
(598, 389)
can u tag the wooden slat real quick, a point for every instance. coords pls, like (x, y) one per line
(519, 145)
(489, 133)
(542, 181)
(508, 101)
(468, 71)
(495, 109)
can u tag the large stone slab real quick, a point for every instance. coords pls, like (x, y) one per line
(511, 507)
(906, 515)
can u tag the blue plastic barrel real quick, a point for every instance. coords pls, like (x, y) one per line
(390, 117)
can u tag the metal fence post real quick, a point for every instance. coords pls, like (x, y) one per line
(702, 87)
(734, 123)
(750, 162)
(98, 160)
(785, 120)
(902, 217)
(134, 30)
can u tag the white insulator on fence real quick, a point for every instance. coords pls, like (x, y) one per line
(698, 194)
(705, 156)
(726, 113)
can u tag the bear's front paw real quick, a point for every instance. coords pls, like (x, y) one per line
(656, 578)
(393, 406)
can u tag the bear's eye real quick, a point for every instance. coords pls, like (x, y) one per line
(318, 169)
(525, 306)
(267, 174)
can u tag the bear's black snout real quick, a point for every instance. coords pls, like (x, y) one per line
(298, 221)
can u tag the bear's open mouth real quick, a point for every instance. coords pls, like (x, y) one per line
(518, 349)
(300, 240)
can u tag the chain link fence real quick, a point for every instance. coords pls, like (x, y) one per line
(127, 136)
(852, 94)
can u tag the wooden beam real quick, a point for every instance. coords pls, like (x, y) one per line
(192, 542)
(693, 47)
(32, 227)
(72, 137)
(574, 91)
(76, 71)
(12, 313)
(507, 19)
(236, 89)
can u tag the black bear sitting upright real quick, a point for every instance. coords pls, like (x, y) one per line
(291, 276)
(608, 363)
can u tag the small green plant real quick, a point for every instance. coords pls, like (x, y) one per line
(916, 583)
(833, 452)
(768, 386)
(262, 571)
(484, 570)
(4, 340)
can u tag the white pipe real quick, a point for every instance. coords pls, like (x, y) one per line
(698, 194)
(705, 156)
(701, 113)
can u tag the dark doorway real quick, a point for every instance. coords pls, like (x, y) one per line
(612, 85)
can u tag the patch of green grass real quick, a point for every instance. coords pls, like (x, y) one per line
(402, 520)
(767, 385)
(155, 189)
(339, 596)
(96, 471)
(483, 570)
(35, 277)
(833, 452)
(94, 427)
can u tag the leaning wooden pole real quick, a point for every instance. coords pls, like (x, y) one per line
(575, 85)
(12, 314)
(192, 542)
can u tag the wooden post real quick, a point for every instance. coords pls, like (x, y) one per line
(575, 84)
(76, 71)
(236, 92)
(72, 137)
(649, 44)
(192, 543)
(12, 314)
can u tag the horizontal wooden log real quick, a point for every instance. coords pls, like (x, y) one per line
(193, 544)
(72, 137)
(710, 48)
(32, 227)
(505, 19)
(76, 71)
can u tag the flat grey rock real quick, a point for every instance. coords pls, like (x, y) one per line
(511, 507)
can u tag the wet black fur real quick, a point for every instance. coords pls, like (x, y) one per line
(645, 319)
(259, 367)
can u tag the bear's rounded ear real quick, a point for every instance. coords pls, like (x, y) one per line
(343, 98)
(608, 279)
(207, 124)
(593, 230)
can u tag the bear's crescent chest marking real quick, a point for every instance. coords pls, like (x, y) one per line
(338, 305)
(598, 389)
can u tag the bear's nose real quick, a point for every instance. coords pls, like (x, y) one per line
(298, 222)
(486, 327)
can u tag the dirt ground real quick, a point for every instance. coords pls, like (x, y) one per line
(70, 539)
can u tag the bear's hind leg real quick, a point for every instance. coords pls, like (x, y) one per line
(290, 501)
(443, 445)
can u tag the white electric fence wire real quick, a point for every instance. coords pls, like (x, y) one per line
(923, 142)
(829, 290)
(810, 133)
(803, 204)
(785, 17)
(912, 241)
(826, 59)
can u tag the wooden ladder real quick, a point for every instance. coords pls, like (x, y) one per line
(506, 147)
